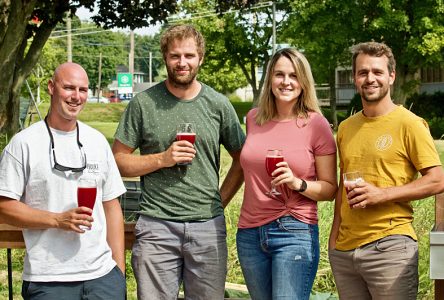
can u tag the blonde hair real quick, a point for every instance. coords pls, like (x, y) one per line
(307, 100)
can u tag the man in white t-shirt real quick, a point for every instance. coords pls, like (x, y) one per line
(72, 252)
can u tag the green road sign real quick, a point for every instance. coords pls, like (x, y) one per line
(124, 83)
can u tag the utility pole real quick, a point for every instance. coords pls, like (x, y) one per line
(274, 27)
(131, 59)
(151, 68)
(69, 42)
(100, 77)
(131, 54)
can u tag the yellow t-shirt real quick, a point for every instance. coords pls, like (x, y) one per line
(389, 151)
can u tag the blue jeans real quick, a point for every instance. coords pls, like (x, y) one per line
(279, 260)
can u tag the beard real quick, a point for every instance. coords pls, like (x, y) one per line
(182, 81)
(374, 97)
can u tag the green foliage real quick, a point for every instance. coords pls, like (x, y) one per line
(355, 105)
(436, 125)
(18, 28)
(431, 108)
(221, 76)
(144, 45)
(341, 115)
(219, 70)
(239, 42)
(113, 47)
(242, 109)
(52, 56)
(326, 29)
(427, 106)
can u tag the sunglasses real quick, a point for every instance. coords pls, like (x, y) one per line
(60, 167)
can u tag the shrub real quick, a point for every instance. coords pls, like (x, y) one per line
(436, 125)
(242, 109)
(431, 108)
(355, 105)
(428, 106)
(340, 114)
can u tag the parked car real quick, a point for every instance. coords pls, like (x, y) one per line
(113, 99)
(100, 100)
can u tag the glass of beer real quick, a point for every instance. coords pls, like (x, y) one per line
(273, 157)
(185, 132)
(86, 194)
(351, 179)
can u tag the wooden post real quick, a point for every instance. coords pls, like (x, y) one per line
(439, 226)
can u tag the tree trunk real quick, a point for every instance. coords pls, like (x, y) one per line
(12, 29)
(407, 82)
(15, 62)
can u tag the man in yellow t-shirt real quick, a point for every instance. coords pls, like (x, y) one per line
(373, 249)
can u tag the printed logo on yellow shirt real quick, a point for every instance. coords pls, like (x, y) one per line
(384, 142)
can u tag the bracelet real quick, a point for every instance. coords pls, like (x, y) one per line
(303, 186)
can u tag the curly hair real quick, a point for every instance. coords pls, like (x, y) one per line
(373, 49)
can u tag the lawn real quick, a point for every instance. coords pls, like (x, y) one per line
(104, 117)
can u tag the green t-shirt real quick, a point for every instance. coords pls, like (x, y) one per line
(181, 193)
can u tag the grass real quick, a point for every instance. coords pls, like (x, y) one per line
(107, 122)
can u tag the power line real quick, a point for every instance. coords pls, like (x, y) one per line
(82, 33)
(75, 29)
(212, 13)
(119, 57)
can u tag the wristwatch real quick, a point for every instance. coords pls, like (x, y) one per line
(303, 186)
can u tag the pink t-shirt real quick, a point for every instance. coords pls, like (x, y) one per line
(300, 145)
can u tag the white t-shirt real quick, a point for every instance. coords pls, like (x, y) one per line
(27, 175)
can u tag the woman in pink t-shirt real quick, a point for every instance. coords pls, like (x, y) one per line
(277, 239)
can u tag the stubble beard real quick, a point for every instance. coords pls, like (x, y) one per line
(182, 82)
(373, 98)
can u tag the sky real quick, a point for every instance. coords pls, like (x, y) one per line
(84, 15)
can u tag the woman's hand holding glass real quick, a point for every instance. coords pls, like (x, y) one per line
(284, 175)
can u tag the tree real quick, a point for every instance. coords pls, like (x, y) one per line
(236, 40)
(51, 57)
(25, 26)
(144, 46)
(414, 29)
(315, 30)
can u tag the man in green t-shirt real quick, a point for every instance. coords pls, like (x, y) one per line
(373, 249)
(180, 234)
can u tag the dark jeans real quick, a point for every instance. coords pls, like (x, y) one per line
(112, 286)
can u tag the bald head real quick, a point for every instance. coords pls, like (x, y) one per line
(68, 88)
(69, 68)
